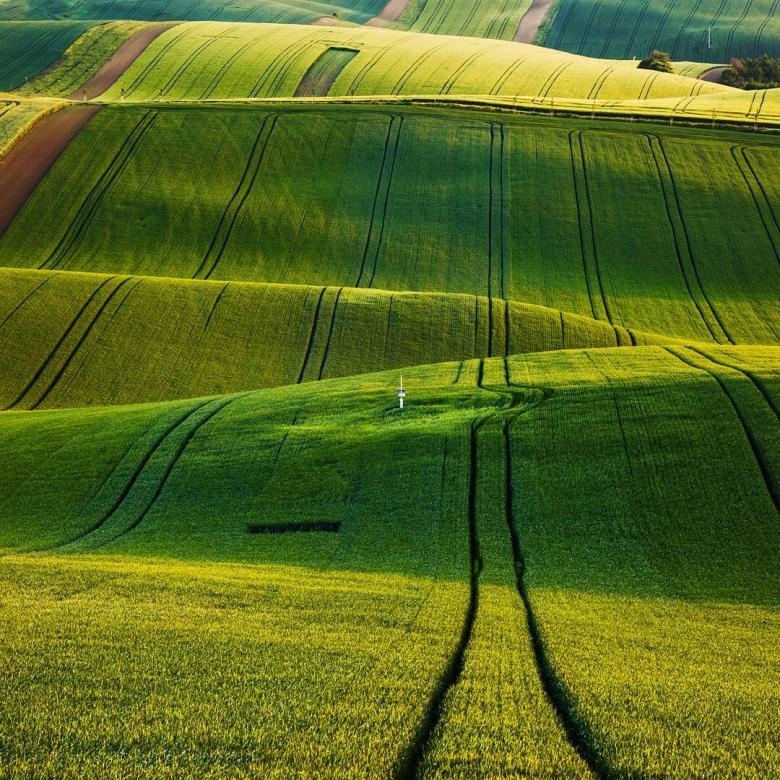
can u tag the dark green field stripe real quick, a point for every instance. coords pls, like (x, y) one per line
(735, 26)
(684, 249)
(318, 337)
(590, 265)
(85, 334)
(98, 194)
(222, 235)
(68, 331)
(760, 31)
(376, 228)
(585, 36)
(760, 199)
(771, 481)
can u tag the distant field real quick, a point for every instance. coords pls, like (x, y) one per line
(216, 61)
(282, 11)
(28, 47)
(575, 471)
(481, 18)
(635, 234)
(622, 29)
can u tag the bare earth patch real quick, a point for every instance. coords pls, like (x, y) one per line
(121, 60)
(713, 75)
(530, 23)
(30, 159)
(389, 14)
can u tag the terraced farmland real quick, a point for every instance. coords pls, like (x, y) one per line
(225, 551)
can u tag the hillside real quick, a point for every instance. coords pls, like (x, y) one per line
(231, 243)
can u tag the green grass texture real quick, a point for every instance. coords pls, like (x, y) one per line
(28, 47)
(622, 29)
(280, 11)
(546, 500)
(64, 332)
(664, 231)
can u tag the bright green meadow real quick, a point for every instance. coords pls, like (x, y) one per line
(226, 552)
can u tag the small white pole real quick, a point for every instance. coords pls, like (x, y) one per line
(401, 393)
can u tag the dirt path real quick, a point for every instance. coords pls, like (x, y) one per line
(30, 159)
(713, 75)
(121, 60)
(530, 23)
(389, 14)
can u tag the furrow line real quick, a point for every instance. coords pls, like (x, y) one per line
(312, 332)
(229, 216)
(574, 726)
(50, 357)
(85, 334)
(376, 225)
(98, 194)
(770, 481)
(27, 298)
(330, 333)
(666, 174)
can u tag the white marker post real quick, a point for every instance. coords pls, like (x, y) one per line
(401, 393)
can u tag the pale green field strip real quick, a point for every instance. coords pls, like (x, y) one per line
(480, 18)
(277, 11)
(631, 28)
(65, 333)
(573, 476)
(26, 48)
(543, 212)
(82, 59)
(18, 113)
(211, 61)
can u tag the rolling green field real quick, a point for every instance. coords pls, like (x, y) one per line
(623, 29)
(225, 552)
(201, 61)
(282, 11)
(364, 198)
(28, 47)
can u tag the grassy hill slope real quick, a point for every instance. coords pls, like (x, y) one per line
(623, 225)
(65, 332)
(281, 11)
(567, 469)
(623, 29)
(201, 61)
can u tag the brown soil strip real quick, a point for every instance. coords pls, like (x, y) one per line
(389, 14)
(121, 60)
(30, 159)
(713, 75)
(530, 23)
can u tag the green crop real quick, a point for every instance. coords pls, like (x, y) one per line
(628, 28)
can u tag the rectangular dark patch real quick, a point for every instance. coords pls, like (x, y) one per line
(320, 76)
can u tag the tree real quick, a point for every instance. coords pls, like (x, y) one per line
(657, 60)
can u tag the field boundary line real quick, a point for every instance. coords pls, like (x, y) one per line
(770, 481)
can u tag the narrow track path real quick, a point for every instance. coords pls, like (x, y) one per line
(389, 14)
(120, 61)
(532, 21)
